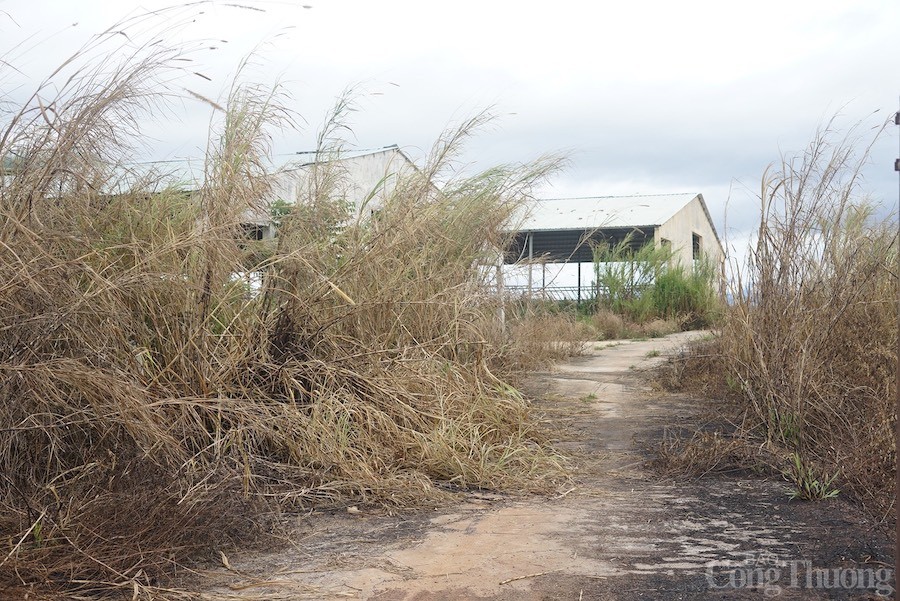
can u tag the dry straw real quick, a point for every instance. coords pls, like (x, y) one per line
(811, 337)
(154, 406)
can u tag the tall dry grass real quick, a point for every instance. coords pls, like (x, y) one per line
(155, 404)
(811, 337)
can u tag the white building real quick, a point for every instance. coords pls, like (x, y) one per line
(361, 178)
(562, 231)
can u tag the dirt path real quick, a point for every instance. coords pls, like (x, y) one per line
(620, 532)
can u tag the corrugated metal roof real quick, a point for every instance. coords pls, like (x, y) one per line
(189, 172)
(601, 211)
(310, 157)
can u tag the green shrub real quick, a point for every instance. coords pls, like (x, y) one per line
(647, 283)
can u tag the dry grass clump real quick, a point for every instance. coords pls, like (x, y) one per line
(811, 338)
(657, 328)
(717, 443)
(697, 369)
(155, 401)
(537, 337)
(706, 452)
(609, 325)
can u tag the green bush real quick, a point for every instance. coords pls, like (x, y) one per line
(647, 284)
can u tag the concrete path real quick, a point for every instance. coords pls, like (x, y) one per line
(618, 532)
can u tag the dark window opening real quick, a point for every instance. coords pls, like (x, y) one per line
(253, 231)
(696, 246)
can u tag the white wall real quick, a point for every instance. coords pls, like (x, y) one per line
(354, 179)
(357, 177)
(691, 219)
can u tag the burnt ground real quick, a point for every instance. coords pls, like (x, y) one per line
(619, 530)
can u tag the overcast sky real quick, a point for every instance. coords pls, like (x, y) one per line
(646, 97)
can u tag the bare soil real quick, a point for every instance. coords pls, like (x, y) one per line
(618, 531)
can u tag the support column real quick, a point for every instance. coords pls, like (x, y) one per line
(543, 279)
(530, 263)
(578, 304)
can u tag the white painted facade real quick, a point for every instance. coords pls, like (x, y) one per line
(362, 179)
(358, 177)
(693, 219)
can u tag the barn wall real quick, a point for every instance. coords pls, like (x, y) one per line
(354, 178)
(691, 219)
(357, 178)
